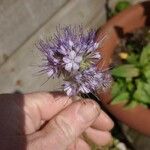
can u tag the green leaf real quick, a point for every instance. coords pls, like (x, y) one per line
(122, 83)
(126, 71)
(145, 55)
(128, 79)
(130, 86)
(140, 94)
(115, 89)
(146, 71)
(132, 58)
(147, 88)
(132, 104)
(121, 5)
(121, 97)
(118, 86)
(148, 80)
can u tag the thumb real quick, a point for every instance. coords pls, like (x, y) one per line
(64, 128)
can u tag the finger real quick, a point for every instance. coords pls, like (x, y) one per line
(103, 122)
(64, 128)
(100, 138)
(39, 107)
(79, 144)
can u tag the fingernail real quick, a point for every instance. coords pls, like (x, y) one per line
(88, 110)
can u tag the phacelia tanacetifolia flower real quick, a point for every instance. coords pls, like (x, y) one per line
(73, 54)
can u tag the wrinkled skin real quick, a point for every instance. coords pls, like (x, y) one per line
(43, 121)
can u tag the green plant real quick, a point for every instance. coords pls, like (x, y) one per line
(132, 76)
(132, 79)
(120, 6)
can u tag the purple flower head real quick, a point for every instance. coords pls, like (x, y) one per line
(73, 54)
(87, 81)
(72, 61)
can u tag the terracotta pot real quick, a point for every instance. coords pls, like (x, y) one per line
(125, 22)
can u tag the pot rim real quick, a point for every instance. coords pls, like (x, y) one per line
(129, 20)
(116, 28)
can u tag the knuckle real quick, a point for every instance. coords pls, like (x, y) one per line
(64, 128)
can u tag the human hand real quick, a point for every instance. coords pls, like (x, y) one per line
(42, 121)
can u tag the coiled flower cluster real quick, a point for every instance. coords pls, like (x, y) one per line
(73, 54)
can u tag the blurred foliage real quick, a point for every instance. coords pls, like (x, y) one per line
(120, 6)
(132, 74)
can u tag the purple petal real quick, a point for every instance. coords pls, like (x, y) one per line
(90, 49)
(68, 90)
(84, 89)
(68, 67)
(63, 50)
(96, 45)
(96, 55)
(66, 60)
(78, 59)
(72, 54)
(50, 73)
(75, 66)
(71, 43)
